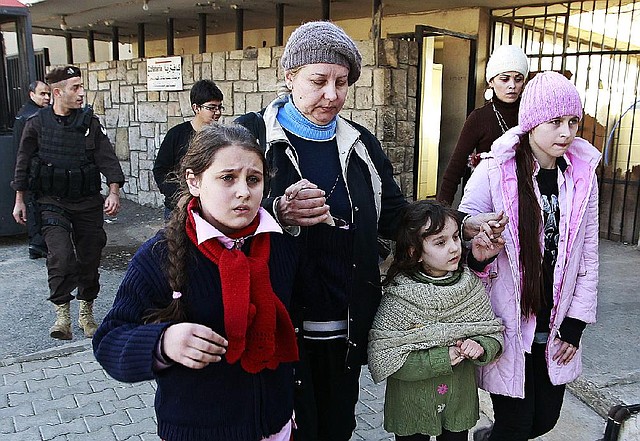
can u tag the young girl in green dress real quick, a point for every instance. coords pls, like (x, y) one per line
(433, 326)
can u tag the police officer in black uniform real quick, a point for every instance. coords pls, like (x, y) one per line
(63, 151)
(39, 97)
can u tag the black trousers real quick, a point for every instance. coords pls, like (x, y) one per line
(444, 436)
(520, 419)
(75, 237)
(326, 394)
(37, 245)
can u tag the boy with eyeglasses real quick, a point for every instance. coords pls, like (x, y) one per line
(206, 103)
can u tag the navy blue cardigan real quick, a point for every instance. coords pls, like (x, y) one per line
(221, 401)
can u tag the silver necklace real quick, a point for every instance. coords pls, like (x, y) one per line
(503, 125)
(335, 184)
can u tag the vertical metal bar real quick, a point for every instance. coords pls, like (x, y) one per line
(628, 170)
(589, 61)
(279, 24)
(419, 36)
(620, 111)
(541, 39)
(142, 53)
(202, 32)
(565, 39)
(636, 208)
(376, 20)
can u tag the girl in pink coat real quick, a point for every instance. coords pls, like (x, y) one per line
(543, 285)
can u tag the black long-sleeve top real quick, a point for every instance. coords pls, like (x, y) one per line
(171, 151)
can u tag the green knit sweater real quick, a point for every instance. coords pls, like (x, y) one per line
(427, 394)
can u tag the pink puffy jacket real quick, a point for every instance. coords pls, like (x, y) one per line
(492, 188)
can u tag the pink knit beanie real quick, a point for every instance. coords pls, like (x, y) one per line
(547, 96)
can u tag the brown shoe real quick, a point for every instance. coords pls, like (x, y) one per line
(61, 329)
(86, 320)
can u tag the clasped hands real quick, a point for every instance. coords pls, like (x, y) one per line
(303, 204)
(465, 349)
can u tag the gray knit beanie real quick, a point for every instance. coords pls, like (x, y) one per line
(322, 42)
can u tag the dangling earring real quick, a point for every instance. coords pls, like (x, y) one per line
(488, 93)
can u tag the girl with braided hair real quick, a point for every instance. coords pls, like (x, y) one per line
(433, 327)
(202, 307)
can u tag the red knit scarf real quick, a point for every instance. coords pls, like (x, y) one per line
(257, 324)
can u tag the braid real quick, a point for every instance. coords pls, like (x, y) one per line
(177, 244)
(176, 265)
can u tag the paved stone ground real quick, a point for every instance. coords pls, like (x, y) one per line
(50, 390)
(64, 395)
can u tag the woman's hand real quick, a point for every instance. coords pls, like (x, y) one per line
(470, 349)
(303, 204)
(565, 353)
(483, 248)
(193, 345)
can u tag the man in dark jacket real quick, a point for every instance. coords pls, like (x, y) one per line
(63, 151)
(39, 97)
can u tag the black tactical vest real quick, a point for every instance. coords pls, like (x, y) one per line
(64, 165)
(64, 146)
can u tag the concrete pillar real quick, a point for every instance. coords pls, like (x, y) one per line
(115, 40)
(170, 47)
(279, 24)
(91, 46)
(239, 27)
(326, 10)
(67, 38)
(141, 41)
(202, 32)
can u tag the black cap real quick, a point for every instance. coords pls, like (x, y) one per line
(62, 73)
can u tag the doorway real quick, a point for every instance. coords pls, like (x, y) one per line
(446, 95)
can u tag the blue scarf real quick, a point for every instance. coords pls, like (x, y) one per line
(295, 122)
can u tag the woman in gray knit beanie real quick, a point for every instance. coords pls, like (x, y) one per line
(331, 176)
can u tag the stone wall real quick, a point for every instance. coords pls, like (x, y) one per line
(383, 100)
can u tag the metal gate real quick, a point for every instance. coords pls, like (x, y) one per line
(596, 44)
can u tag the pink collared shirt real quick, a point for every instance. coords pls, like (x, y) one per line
(205, 231)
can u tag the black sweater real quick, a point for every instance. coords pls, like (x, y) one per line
(478, 133)
(171, 151)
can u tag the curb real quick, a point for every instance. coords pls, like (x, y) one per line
(597, 398)
(46, 354)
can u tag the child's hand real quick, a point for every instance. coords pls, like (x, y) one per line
(455, 355)
(193, 345)
(483, 248)
(470, 349)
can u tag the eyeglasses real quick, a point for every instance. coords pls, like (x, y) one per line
(213, 108)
